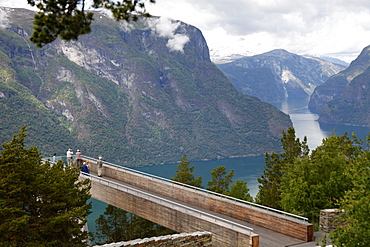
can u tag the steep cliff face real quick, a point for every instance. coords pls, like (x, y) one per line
(337, 84)
(345, 97)
(139, 93)
(278, 74)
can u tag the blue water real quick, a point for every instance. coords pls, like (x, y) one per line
(247, 169)
(305, 123)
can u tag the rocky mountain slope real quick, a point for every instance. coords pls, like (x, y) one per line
(278, 74)
(138, 94)
(345, 97)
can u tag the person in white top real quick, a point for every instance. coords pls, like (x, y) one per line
(69, 157)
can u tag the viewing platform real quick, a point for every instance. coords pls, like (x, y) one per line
(184, 208)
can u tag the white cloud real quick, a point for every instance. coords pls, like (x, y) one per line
(4, 20)
(336, 28)
(165, 27)
(178, 42)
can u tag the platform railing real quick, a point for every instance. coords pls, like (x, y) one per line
(63, 158)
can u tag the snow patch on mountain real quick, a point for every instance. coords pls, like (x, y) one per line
(226, 54)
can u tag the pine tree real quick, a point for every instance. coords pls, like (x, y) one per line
(184, 174)
(112, 226)
(269, 189)
(41, 204)
(240, 190)
(69, 19)
(220, 181)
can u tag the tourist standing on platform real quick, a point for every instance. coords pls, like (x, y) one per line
(79, 158)
(100, 165)
(55, 158)
(69, 157)
(85, 168)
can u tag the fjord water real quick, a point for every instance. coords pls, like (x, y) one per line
(305, 123)
(250, 168)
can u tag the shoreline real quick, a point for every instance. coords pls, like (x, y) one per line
(178, 162)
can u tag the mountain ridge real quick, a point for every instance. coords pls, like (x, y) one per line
(133, 94)
(344, 97)
(277, 74)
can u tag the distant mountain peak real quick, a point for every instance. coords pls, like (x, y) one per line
(277, 74)
(278, 52)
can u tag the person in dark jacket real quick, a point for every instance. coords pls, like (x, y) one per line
(85, 168)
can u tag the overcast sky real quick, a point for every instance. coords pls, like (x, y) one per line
(336, 28)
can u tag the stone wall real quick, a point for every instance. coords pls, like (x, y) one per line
(328, 219)
(195, 239)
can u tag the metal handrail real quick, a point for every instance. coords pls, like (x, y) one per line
(161, 199)
(201, 189)
(64, 158)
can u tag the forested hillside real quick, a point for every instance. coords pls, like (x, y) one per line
(131, 92)
(345, 97)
